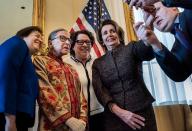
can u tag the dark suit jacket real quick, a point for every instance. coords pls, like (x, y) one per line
(18, 80)
(177, 64)
(187, 4)
(118, 77)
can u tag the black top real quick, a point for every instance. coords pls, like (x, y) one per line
(177, 63)
(178, 3)
(117, 76)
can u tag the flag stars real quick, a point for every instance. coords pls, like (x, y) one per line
(93, 11)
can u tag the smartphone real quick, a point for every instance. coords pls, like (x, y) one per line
(127, 1)
(150, 9)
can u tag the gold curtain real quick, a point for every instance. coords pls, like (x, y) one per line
(39, 13)
(129, 19)
(171, 117)
(39, 17)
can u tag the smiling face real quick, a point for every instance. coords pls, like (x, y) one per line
(61, 43)
(110, 36)
(33, 41)
(82, 47)
(164, 17)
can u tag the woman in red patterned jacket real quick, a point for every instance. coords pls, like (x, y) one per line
(61, 101)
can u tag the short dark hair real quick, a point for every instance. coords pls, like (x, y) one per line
(54, 33)
(118, 29)
(28, 30)
(74, 36)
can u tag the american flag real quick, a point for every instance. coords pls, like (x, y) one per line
(90, 18)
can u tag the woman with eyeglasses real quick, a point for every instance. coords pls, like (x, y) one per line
(81, 60)
(61, 101)
(118, 81)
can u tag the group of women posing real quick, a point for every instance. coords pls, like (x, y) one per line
(78, 92)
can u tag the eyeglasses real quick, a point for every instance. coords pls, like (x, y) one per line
(62, 38)
(81, 42)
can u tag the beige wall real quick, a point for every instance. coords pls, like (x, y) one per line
(58, 13)
(63, 13)
(13, 18)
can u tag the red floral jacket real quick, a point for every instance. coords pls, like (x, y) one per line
(60, 93)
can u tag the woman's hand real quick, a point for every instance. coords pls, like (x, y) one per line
(133, 120)
(10, 122)
(76, 124)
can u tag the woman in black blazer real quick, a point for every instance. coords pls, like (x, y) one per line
(118, 81)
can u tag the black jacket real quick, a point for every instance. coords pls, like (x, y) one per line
(177, 63)
(118, 78)
(187, 4)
